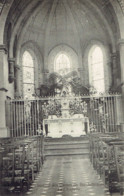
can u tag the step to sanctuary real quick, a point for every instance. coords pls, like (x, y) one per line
(66, 146)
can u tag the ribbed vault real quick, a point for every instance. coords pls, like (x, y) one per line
(52, 22)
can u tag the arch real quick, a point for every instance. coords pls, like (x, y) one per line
(62, 63)
(119, 11)
(19, 27)
(22, 20)
(71, 54)
(28, 74)
(33, 49)
(106, 62)
(117, 6)
(96, 68)
(3, 17)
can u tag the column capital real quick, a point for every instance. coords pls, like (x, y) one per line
(3, 89)
(46, 71)
(11, 60)
(3, 48)
(17, 66)
(121, 42)
(80, 69)
(114, 55)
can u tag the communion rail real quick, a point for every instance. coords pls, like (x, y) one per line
(25, 116)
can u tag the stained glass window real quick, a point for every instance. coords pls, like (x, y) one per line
(97, 69)
(28, 75)
(62, 64)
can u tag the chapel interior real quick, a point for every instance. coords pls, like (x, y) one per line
(61, 97)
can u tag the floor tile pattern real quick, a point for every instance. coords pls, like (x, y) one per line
(68, 176)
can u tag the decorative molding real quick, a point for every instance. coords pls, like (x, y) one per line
(114, 55)
(80, 69)
(121, 3)
(3, 48)
(11, 59)
(2, 4)
(17, 67)
(122, 84)
(3, 89)
(121, 42)
(46, 71)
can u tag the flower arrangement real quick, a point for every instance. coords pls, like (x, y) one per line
(76, 106)
(52, 107)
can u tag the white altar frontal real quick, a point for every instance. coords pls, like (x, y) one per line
(74, 125)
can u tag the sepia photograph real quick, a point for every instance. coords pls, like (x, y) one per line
(62, 97)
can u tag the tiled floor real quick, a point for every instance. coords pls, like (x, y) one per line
(67, 176)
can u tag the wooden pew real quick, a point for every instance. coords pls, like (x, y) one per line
(21, 160)
(119, 158)
(103, 155)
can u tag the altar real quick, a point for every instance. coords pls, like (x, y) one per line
(76, 126)
(67, 116)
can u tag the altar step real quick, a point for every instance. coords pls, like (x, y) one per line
(66, 138)
(66, 146)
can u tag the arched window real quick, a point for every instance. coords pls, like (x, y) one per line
(96, 69)
(62, 64)
(28, 74)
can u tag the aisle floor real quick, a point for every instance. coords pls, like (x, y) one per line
(68, 176)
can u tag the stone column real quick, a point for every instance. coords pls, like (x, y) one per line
(11, 70)
(46, 73)
(16, 80)
(80, 70)
(3, 89)
(114, 68)
(121, 48)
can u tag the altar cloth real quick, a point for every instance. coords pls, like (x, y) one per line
(74, 127)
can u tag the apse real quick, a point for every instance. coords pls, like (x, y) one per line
(61, 97)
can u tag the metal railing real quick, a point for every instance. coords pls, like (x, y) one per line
(25, 116)
(105, 113)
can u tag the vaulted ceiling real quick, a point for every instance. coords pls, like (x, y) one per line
(52, 22)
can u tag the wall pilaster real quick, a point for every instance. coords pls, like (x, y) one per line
(4, 132)
(11, 69)
(121, 48)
